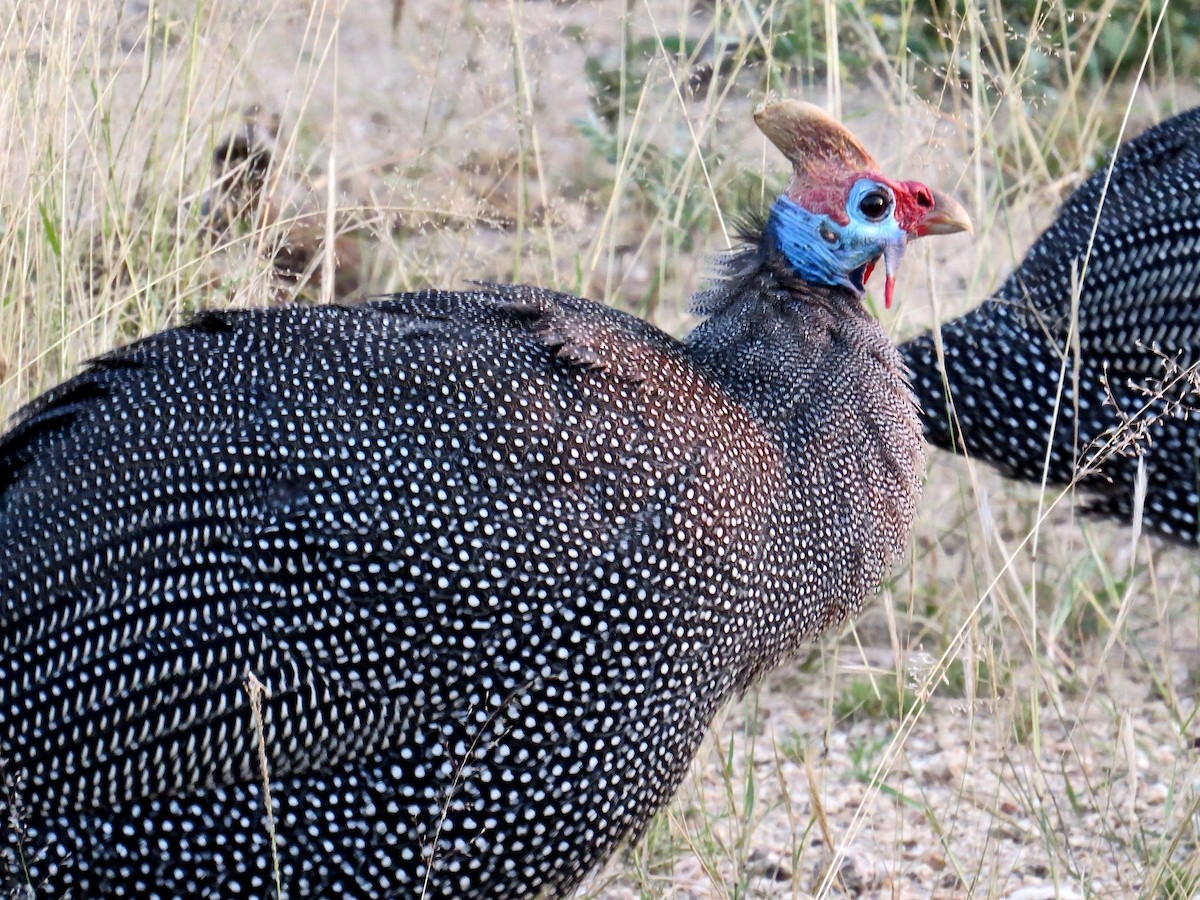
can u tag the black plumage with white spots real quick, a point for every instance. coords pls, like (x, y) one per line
(1121, 352)
(497, 556)
(496, 559)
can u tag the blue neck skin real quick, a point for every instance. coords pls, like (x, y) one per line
(840, 263)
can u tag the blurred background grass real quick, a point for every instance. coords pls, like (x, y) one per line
(1018, 712)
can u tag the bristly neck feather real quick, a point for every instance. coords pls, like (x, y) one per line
(822, 377)
(772, 333)
(761, 264)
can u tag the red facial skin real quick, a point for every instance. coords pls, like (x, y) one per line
(827, 194)
(914, 201)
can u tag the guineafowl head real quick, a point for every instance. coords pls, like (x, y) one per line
(839, 216)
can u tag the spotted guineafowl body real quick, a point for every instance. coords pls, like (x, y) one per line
(1124, 397)
(497, 557)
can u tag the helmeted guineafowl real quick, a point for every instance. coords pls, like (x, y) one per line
(498, 557)
(1107, 306)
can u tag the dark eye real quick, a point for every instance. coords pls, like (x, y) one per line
(875, 205)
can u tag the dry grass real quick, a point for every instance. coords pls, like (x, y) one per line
(1017, 713)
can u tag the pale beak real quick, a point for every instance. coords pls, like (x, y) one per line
(947, 216)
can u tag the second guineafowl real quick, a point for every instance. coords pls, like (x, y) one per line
(1080, 368)
(497, 558)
